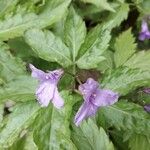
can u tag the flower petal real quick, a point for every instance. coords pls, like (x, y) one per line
(105, 97)
(147, 108)
(142, 36)
(146, 90)
(45, 93)
(57, 99)
(144, 26)
(88, 88)
(36, 73)
(86, 110)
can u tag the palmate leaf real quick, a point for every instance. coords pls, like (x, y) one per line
(48, 47)
(51, 127)
(89, 137)
(139, 60)
(100, 4)
(74, 32)
(124, 47)
(127, 116)
(96, 42)
(139, 142)
(10, 66)
(125, 80)
(20, 89)
(17, 24)
(20, 119)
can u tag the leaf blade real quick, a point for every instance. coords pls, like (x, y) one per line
(74, 32)
(92, 138)
(124, 48)
(96, 42)
(21, 118)
(16, 25)
(48, 47)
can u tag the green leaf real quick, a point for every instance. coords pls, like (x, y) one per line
(6, 6)
(124, 47)
(108, 63)
(139, 142)
(1, 112)
(21, 49)
(115, 19)
(125, 80)
(89, 137)
(48, 47)
(95, 44)
(74, 32)
(10, 67)
(20, 119)
(139, 60)
(24, 143)
(21, 89)
(100, 4)
(51, 129)
(29, 143)
(17, 24)
(127, 116)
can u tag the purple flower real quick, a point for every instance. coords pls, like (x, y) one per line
(146, 90)
(145, 33)
(147, 107)
(47, 90)
(94, 97)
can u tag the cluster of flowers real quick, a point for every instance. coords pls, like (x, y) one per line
(93, 96)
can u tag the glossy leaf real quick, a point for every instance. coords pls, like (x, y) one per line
(10, 66)
(21, 118)
(128, 117)
(75, 32)
(6, 6)
(115, 19)
(88, 136)
(125, 80)
(138, 142)
(124, 47)
(139, 60)
(24, 143)
(100, 4)
(96, 42)
(48, 47)
(21, 89)
(16, 25)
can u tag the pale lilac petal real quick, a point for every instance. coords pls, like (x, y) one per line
(146, 90)
(147, 108)
(86, 110)
(36, 73)
(145, 33)
(88, 88)
(142, 36)
(144, 26)
(57, 99)
(55, 75)
(105, 97)
(45, 93)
